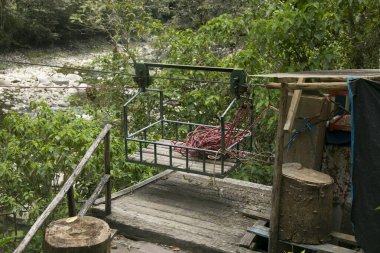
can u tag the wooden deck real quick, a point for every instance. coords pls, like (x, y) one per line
(161, 157)
(190, 211)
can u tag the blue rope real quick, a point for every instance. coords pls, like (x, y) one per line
(308, 127)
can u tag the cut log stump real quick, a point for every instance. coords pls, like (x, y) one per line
(306, 205)
(77, 235)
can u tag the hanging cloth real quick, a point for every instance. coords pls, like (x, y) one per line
(365, 144)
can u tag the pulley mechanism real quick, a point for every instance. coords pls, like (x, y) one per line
(238, 79)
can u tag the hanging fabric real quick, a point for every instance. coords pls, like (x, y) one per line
(365, 141)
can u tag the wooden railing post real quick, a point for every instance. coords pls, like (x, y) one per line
(67, 187)
(277, 173)
(71, 202)
(107, 171)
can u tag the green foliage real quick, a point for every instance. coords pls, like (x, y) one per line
(296, 35)
(5, 242)
(360, 31)
(254, 171)
(123, 21)
(194, 14)
(36, 146)
(40, 22)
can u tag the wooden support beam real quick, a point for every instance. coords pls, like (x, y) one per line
(311, 86)
(248, 240)
(105, 179)
(277, 173)
(327, 248)
(349, 239)
(134, 187)
(256, 215)
(293, 108)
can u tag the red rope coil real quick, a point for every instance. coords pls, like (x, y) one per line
(209, 138)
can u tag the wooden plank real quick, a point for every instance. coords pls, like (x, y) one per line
(277, 173)
(311, 86)
(307, 147)
(247, 240)
(214, 214)
(326, 248)
(140, 226)
(134, 187)
(349, 239)
(169, 192)
(343, 74)
(113, 233)
(256, 215)
(184, 185)
(61, 194)
(95, 194)
(172, 217)
(292, 112)
(190, 211)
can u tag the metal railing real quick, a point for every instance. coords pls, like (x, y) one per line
(161, 125)
(68, 189)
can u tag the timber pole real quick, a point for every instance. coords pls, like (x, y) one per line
(277, 173)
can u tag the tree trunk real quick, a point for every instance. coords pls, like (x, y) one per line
(77, 235)
(306, 205)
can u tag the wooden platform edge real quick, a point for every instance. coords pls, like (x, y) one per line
(134, 187)
(137, 233)
(328, 248)
(248, 240)
(256, 215)
(345, 238)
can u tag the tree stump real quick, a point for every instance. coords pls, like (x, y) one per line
(77, 235)
(306, 205)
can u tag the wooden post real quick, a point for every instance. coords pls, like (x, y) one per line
(77, 235)
(293, 108)
(71, 201)
(107, 171)
(277, 173)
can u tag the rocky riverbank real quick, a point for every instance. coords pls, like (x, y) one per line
(21, 84)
